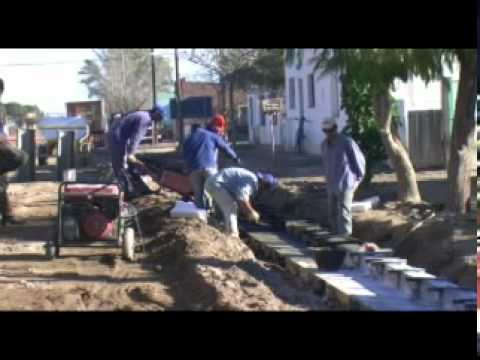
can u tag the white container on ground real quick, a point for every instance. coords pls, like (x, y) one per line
(70, 175)
(184, 209)
(365, 205)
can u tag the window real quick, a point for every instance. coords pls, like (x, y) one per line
(262, 114)
(251, 110)
(291, 92)
(311, 90)
(300, 96)
(335, 101)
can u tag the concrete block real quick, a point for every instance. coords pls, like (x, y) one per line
(455, 298)
(329, 259)
(393, 273)
(434, 292)
(377, 267)
(357, 256)
(304, 265)
(365, 205)
(413, 282)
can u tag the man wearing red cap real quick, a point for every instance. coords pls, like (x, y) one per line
(200, 152)
(218, 124)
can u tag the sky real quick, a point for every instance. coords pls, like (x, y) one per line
(49, 78)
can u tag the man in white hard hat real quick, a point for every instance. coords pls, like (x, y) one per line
(344, 165)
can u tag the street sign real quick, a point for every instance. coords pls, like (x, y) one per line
(272, 105)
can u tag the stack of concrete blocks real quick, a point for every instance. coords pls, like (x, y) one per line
(410, 282)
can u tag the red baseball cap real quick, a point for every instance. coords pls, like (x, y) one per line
(218, 122)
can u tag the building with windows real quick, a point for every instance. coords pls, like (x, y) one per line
(426, 112)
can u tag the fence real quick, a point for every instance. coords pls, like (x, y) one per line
(426, 139)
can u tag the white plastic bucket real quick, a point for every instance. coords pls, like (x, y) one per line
(70, 175)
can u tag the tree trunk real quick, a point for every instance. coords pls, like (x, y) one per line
(463, 134)
(406, 177)
(233, 123)
(223, 96)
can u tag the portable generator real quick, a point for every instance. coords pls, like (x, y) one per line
(94, 215)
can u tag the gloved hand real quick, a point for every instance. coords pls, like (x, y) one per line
(253, 216)
(132, 159)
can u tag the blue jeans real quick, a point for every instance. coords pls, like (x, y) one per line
(340, 211)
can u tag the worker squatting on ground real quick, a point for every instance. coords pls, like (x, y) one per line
(10, 160)
(344, 166)
(200, 152)
(233, 188)
(124, 138)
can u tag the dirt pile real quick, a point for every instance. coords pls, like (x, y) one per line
(35, 200)
(212, 271)
(297, 199)
(79, 283)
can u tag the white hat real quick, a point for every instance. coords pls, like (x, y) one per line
(328, 124)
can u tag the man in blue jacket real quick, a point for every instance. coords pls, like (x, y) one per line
(200, 152)
(344, 165)
(125, 136)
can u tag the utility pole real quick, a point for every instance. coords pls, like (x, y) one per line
(179, 118)
(154, 87)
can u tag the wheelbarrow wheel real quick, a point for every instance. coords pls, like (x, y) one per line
(128, 245)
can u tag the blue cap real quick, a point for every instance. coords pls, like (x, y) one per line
(268, 178)
(159, 110)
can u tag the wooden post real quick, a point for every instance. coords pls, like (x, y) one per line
(154, 87)
(179, 118)
(65, 153)
(26, 143)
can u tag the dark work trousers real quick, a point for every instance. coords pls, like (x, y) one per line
(10, 160)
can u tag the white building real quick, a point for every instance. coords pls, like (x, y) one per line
(318, 97)
(308, 94)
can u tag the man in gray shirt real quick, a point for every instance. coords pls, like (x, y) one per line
(344, 165)
(233, 188)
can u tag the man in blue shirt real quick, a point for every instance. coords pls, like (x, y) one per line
(124, 138)
(233, 188)
(344, 166)
(200, 152)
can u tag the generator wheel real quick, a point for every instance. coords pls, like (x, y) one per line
(50, 250)
(128, 246)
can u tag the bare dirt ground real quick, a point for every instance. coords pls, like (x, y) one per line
(188, 265)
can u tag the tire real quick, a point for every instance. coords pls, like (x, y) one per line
(128, 246)
(120, 240)
(50, 250)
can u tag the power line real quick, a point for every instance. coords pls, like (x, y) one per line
(165, 53)
(46, 63)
